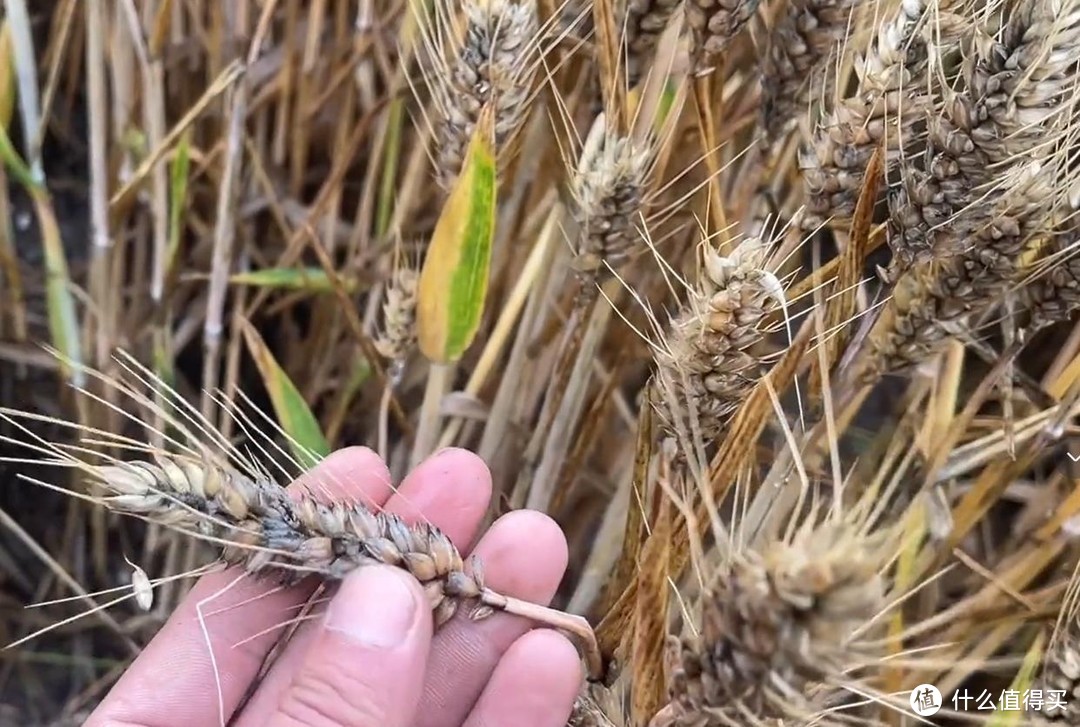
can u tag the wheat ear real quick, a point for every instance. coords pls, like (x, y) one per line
(1053, 293)
(609, 187)
(492, 61)
(644, 24)
(708, 360)
(776, 621)
(995, 144)
(397, 339)
(796, 68)
(257, 524)
(714, 24)
(883, 112)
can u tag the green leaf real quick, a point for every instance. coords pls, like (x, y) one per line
(454, 279)
(63, 319)
(312, 280)
(178, 186)
(1022, 682)
(306, 438)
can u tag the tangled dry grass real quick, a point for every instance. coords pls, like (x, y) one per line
(770, 304)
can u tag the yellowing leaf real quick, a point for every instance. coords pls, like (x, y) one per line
(7, 76)
(454, 279)
(306, 438)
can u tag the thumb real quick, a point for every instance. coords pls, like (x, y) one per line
(365, 667)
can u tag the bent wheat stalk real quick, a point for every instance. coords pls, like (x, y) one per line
(260, 526)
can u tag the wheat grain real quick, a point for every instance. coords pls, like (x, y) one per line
(492, 63)
(796, 69)
(1053, 295)
(714, 24)
(587, 713)
(645, 23)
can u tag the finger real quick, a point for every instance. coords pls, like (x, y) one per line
(366, 664)
(534, 684)
(451, 490)
(158, 687)
(524, 555)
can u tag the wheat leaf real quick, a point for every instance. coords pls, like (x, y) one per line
(306, 436)
(454, 279)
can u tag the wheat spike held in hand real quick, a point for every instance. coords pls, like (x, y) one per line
(209, 491)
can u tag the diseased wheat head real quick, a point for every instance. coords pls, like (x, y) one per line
(775, 622)
(487, 58)
(710, 356)
(993, 153)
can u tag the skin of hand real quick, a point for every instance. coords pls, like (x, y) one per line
(368, 657)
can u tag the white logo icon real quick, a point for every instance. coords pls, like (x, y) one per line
(925, 700)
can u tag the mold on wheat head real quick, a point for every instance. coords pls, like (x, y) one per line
(271, 534)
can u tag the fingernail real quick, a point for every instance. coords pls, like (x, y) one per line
(376, 605)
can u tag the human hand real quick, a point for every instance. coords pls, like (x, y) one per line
(369, 657)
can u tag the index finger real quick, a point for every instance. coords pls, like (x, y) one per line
(173, 681)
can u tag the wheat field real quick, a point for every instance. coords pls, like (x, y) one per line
(769, 304)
